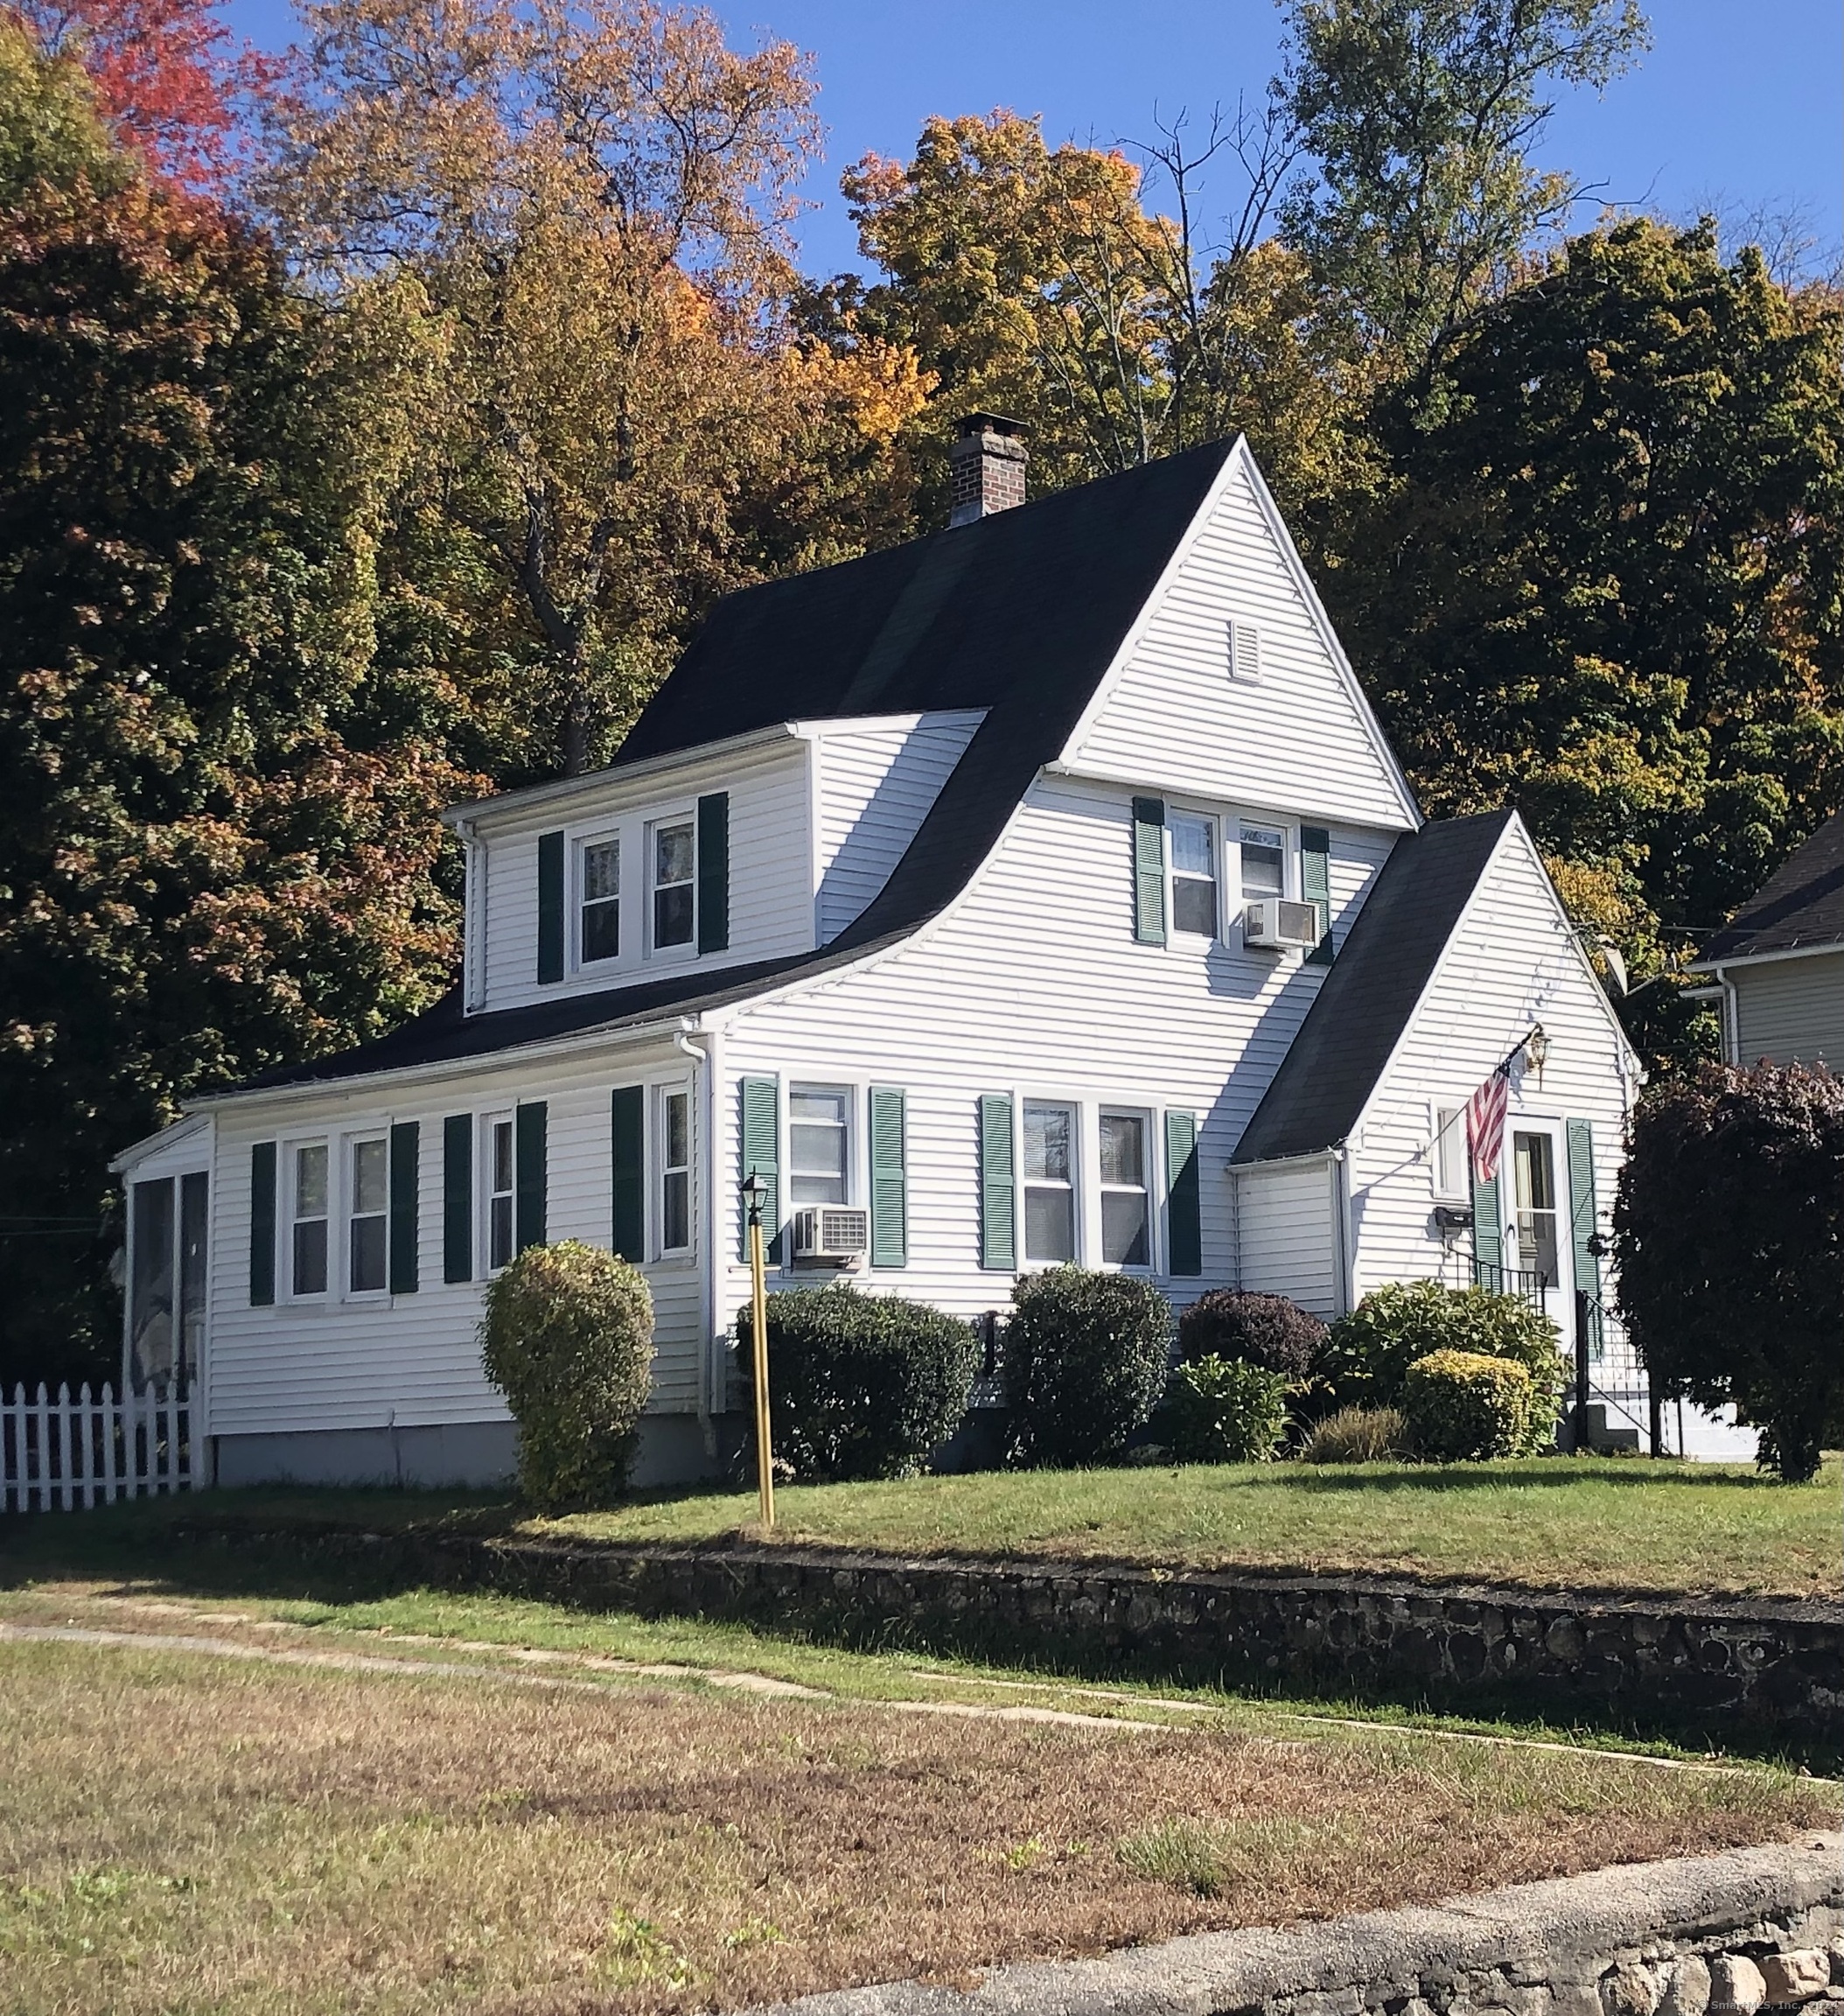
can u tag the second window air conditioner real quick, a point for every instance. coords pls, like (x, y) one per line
(1276, 925)
(835, 1233)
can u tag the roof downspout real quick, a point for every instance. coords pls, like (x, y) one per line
(707, 1160)
(1731, 1016)
(1344, 1285)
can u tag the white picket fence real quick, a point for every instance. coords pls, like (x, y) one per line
(67, 1455)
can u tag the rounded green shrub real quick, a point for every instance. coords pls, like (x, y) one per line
(1368, 1352)
(1465, 1407)
(1084, 1360)
(860, 1385)
(1265, 1330)
(1223, 1410)
(1357, 1435)
(568, 1337)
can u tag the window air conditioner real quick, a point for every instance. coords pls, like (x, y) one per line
(834, 1233)
(1274, 925)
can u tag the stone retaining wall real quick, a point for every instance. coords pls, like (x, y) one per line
(1776, 1669)
(1755, 1930)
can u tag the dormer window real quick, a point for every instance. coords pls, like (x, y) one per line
(601, 906)
(675, 871)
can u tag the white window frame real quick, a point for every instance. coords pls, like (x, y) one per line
(659, 1169)
(1447, 1158)
(1268, 822)
(346, 1192)
(290, 1151)
(1215, 822)
(1150, 1165)
(579, 846)
(1080, 1189)
(655, 823)
(829, 1088)
(486, 1123)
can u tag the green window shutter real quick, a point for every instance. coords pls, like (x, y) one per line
(627, 1136)
(1581, 1202)
(1315, 886)
(458, 1197)
(759, 1148)
(528, 1174)
(998, 1196)
(1149, 872)
(550, 906)
(1488, 1234)
(406, 1174)
(889, 1178)
(714, 872)
(1184, 1223)
(262, 1224)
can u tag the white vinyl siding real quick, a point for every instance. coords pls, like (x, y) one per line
(873, 786)
(1791, 1011)
(1287, 1227)
(1298, 738)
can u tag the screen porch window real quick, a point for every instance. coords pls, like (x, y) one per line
(675, 1171)
(675, 883)
(1534, 1178)
(1126, 1239)
(499, 1174)
(600, 924)
(308, 1208)
(817, 1144)
(1194, 875)
(1264, 862)
(368, 1198)
(1050, 1184)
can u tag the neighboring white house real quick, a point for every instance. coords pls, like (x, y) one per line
(1778, 967)
(1043, 889)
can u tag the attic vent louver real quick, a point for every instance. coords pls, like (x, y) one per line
(1244, 650)
(985, 467)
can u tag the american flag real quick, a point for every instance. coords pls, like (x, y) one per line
(1485, 1124)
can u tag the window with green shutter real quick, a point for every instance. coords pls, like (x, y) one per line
(889, 1178)
(551, 907)
(1316, 887)
(714, 872)
(1184, 1219)
(404, 1182)
(627, 1129)
(262, 1224)
(1582, 1203)
(458, 1197)
(758, 1148)
(998, 1185)
(1150, 871)
(530, 1178)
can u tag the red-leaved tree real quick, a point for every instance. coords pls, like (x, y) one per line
(168, 76)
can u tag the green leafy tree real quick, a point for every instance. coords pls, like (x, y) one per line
(1729, 1233)
(1603, 579)
(218, 831)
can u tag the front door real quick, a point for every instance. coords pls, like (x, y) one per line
(1538, 1244)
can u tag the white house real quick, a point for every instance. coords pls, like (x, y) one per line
(1043, 889)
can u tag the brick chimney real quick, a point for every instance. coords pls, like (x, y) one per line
(985, 467)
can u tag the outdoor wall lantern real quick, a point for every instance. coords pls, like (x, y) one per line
(1536, 1049)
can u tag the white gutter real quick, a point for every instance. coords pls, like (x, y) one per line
(1834, 946)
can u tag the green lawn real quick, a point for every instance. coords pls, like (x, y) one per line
(1587, 1523)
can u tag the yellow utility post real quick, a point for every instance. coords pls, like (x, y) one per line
(754, 1192)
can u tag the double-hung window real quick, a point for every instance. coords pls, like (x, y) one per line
(1193, 874)
(599, 935)
(817, 1118)
(1126, 1200)
(500, 1166)
(367, 1199)
(1264, 862)
(674, 864)
(674, 1171)
(308, 1217)
(1452, 1175)
(1049, 1181)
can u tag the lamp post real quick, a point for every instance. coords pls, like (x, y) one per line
(755, 1194)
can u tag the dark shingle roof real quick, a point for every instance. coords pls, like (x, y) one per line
(1365, 1001)
(1803, 904)
(1020, 613)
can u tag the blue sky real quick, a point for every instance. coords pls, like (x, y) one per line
(1739, 101)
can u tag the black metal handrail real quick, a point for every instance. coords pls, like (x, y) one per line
(1528, 1284)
